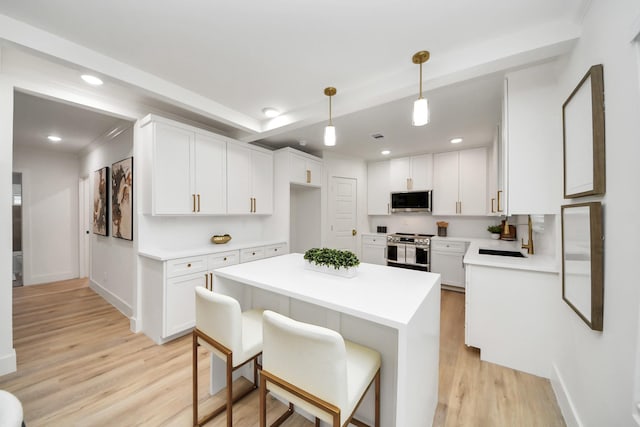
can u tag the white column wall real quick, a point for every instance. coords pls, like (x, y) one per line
(7, 352)
(594, 371)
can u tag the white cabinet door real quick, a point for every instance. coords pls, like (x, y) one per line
(315, 172)
(450, 267)
(173, 192)
(262, 182)
(400, 172)
(238, 179)
(422, 172)
(378, 188)
(305, 170)
(210, 175)
(181, 303)
(472, 192)
(445, 183)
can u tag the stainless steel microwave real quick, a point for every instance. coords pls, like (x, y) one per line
(411, 201)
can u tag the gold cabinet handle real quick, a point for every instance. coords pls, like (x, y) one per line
(308, 176)
(211, 282)
(255, 205)
(194, 202)
(198, 203)
(499, 200)
(354, 232)
(206, 281)
(388, 209)
(225, 258)
(460, 207)
(493, 209)
(250, 204)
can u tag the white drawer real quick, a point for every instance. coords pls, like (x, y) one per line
(223, 259)
(251, 254)
(275, 250)
(368, 239)
(448, 246)
(178, 267)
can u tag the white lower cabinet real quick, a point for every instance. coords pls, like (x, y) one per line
(508, 316)
(446, 259)
(374, 249)
(168, 287)
(181, 303)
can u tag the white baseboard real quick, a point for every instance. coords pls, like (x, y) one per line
(567, 408)
(8, 363)
(135, 325)
(111, 298)
(48, 278)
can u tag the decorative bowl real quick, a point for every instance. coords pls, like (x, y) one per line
(220, 239)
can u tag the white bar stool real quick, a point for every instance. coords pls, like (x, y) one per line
(11, 414)
(316, 369)
(231, 335)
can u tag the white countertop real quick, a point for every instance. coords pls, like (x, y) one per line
(167, 254)
(385, 295)
(542, 263)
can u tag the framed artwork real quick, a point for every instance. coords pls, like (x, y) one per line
(100, 199)
(582, 261)
(583, 137)
(122, 199)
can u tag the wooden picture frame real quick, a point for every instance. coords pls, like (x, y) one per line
(583, 137)
(122, 199)
(100, 201)
(582, 261)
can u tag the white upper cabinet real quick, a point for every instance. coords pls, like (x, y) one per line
(460, 182)
(412, 173)
(532, 130)
(305, 170)
(187, 171)
(250, 180)
(378, 188)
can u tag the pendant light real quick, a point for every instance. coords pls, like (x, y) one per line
(420, 105)
(330, 130)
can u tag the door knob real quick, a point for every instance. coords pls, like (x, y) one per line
(354, 232)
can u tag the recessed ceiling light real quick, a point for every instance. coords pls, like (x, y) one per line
(270, 112)
(302, 142)
(385, 152)
(92, 80)
(54, 138)
(456, 140)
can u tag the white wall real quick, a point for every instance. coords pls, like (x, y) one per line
(595, 370)
(7, 352)
(50, 214)
(113, 261)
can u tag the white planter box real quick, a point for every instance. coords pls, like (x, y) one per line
(342, 272)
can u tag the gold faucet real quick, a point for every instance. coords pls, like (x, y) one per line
(529, 245)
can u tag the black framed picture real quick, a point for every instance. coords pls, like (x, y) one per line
(122, 199)
(100, 200)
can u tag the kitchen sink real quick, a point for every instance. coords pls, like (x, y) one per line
(516, 254)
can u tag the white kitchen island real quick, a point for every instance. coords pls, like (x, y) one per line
(392, 310)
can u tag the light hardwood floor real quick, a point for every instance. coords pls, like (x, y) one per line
(79, 365)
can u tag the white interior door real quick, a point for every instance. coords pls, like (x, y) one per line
(343, 200)
(84, 222)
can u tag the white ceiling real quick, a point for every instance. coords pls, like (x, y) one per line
(35, 118)
(224, 61)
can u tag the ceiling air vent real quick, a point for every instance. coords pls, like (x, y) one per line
(377, 136)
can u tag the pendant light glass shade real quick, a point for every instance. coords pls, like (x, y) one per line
(421, 105)
(330, 136)
(330, 130)
(420, 112)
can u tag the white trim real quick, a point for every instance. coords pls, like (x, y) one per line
(111, 298)
(8, 362)
(565, 403)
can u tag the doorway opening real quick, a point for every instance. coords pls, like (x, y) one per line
(17, 229)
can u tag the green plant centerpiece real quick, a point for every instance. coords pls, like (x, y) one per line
(495, 230)
(332, 261)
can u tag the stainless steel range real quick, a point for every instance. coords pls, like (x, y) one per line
(408, 250)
